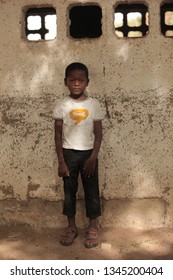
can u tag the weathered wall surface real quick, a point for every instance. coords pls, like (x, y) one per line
(132, 78)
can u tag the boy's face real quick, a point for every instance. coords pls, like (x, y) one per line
(76, 83)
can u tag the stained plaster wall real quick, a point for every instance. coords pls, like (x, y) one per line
(132, 78)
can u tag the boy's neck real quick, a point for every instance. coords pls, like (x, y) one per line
(82, 96)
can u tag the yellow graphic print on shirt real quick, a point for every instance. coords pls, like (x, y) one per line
(78, 115)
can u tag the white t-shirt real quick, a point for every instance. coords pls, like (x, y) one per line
(78, 119)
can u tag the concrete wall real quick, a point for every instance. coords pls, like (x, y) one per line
(132, 78)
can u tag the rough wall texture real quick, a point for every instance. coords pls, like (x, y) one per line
(132, 78)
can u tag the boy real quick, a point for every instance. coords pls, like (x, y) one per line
(78, 136)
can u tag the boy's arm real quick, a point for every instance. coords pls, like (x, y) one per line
(98, 138)
(89, 165)
(63, 170)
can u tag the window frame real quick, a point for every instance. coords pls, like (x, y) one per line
(125, 9)
(165, 7)
(42, 12)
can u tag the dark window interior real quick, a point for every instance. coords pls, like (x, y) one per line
(85, 21)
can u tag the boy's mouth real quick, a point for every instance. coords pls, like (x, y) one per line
(76, 89)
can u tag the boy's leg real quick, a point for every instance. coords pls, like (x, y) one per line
(71, 221)
(70, 233)
(93, 208)
(92, 196)
(93, 223)
(70, 183)
(70, 189)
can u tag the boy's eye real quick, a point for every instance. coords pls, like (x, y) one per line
(78, 80)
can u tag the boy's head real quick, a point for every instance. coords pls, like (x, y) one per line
(76, 66)
(76, 79)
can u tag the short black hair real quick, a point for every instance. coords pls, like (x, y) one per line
(76, 66)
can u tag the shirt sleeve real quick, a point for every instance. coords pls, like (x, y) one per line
(98, 116)
(58, 112)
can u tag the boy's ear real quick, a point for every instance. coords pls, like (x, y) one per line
(65, 81)
(88, 82)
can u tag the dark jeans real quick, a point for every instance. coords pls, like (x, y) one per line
(75, 161)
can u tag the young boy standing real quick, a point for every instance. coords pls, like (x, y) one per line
(78, 136)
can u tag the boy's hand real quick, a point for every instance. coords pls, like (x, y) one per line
(89, 167)
(63, 170)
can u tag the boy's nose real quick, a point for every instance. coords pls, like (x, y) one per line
(77, 82)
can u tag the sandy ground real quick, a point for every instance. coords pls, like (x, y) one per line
(24, 243)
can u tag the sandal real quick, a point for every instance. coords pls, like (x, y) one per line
(68, 236)
(91, 238)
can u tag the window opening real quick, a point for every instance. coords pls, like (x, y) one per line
(167, 19)
(131, 20)
(41, 24)
(85, 21)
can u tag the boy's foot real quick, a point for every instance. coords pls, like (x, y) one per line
(68, 236)
(91, 239)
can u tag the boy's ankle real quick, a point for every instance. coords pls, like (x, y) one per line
(93, 223)
(71, 222)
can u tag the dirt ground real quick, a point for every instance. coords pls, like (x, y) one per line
(24, 243)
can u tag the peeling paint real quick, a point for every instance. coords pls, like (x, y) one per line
(7, 191)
